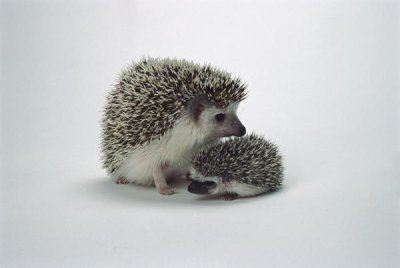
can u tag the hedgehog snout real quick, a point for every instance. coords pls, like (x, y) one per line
(202, 188)
(242, 131)
(236, 127)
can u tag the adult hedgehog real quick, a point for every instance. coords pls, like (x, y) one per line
(160, 113)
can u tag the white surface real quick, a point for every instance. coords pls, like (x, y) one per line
(323, 80)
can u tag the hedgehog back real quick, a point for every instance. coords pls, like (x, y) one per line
(251, 160)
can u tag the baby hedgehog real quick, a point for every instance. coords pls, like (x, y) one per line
(160, 113)
(238, 167)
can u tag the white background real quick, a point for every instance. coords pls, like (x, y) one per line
(323, 81)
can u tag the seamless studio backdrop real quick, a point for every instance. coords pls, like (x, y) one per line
(323, 83)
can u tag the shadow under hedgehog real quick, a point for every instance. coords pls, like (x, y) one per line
(160, 113)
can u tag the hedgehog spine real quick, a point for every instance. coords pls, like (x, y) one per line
(238, 167)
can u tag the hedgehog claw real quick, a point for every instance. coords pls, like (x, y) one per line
(166, 190)
(122, 180)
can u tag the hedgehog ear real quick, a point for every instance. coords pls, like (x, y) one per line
(198, 104)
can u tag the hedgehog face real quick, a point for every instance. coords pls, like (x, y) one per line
(202, 187)
(221, 123)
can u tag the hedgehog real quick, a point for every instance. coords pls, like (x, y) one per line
(160, 112)
(238, 167)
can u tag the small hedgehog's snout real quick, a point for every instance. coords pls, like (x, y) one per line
(242, 131)
(197, 187)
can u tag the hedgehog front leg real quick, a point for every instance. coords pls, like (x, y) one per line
(160, 180)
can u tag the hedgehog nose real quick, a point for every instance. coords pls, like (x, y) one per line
(242, 131)
(197, 187)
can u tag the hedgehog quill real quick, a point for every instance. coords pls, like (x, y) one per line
(160, 113)
(238, 167)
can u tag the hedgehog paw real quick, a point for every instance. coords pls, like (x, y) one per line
(229, 197)
(121, 180)
(166, 190)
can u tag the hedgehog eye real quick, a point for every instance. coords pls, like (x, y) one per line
(220, 117)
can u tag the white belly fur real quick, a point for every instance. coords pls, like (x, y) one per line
(173, 151)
